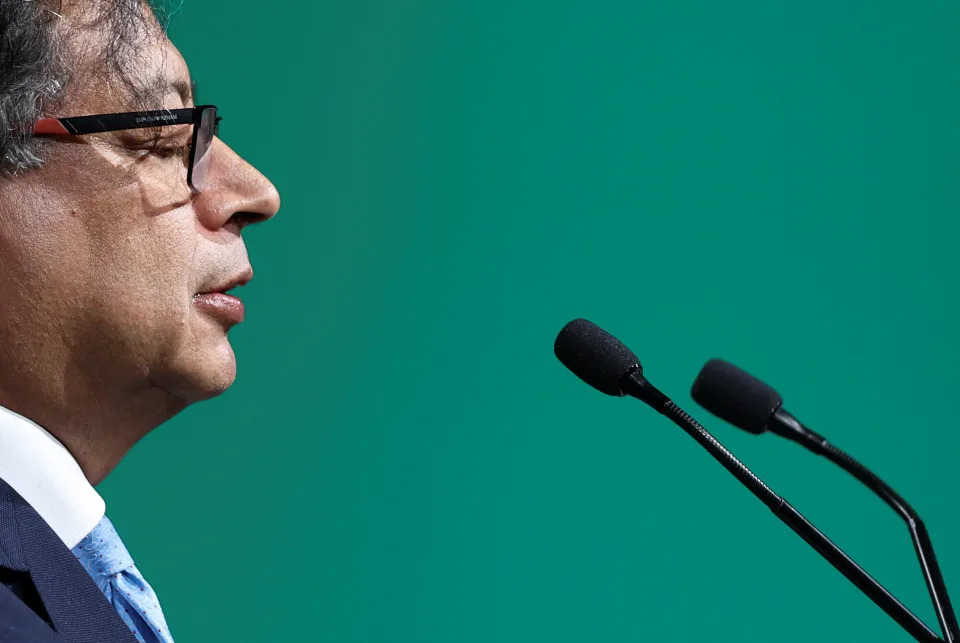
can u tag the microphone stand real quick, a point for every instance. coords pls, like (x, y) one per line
(788, 426)
(636, 385)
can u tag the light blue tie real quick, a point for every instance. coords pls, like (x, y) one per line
(105, 558)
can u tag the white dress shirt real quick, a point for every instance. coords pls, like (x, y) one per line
(40, 469)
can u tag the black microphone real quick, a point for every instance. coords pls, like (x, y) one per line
(603, 362)
(741, 399)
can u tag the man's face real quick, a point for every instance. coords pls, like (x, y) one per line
(106, 255)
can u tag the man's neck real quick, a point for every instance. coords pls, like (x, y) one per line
(97, 432)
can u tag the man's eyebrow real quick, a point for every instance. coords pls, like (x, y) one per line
(156, 91)
(185, 89)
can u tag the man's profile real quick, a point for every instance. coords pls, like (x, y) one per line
(121, 213)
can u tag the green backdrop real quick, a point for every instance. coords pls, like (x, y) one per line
(402, 458)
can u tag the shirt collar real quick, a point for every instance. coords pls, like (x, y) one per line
(43, 472)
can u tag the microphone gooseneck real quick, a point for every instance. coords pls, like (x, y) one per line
(593, 355)
(636, 385)
(745, 401)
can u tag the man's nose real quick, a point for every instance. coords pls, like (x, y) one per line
(236, 193)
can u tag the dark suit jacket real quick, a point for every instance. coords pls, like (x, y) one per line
(46, 596)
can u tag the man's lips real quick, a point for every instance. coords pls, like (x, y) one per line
(222, 306)
(226, 308)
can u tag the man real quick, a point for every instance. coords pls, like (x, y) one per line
(121, 214)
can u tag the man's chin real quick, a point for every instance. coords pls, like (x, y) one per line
(207, 372)
(219, 371)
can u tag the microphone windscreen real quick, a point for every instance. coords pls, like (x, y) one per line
(594, 355)
(735, 395)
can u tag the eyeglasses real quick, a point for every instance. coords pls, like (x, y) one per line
(206, 125)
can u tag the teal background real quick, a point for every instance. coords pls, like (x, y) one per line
(402, 458)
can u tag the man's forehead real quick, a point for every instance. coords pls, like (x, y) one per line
(149, 74)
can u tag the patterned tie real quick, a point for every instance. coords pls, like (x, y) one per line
(106, 559)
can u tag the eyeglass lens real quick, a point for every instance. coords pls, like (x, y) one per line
(206, 130)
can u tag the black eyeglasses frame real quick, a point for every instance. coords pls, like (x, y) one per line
(97, 123)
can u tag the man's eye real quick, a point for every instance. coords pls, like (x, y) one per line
(170, 150)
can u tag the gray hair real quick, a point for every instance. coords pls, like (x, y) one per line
(35, 70)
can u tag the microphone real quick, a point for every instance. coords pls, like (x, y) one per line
(746, 402)
(603, 362)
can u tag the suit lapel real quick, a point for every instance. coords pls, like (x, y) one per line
(76, 606)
